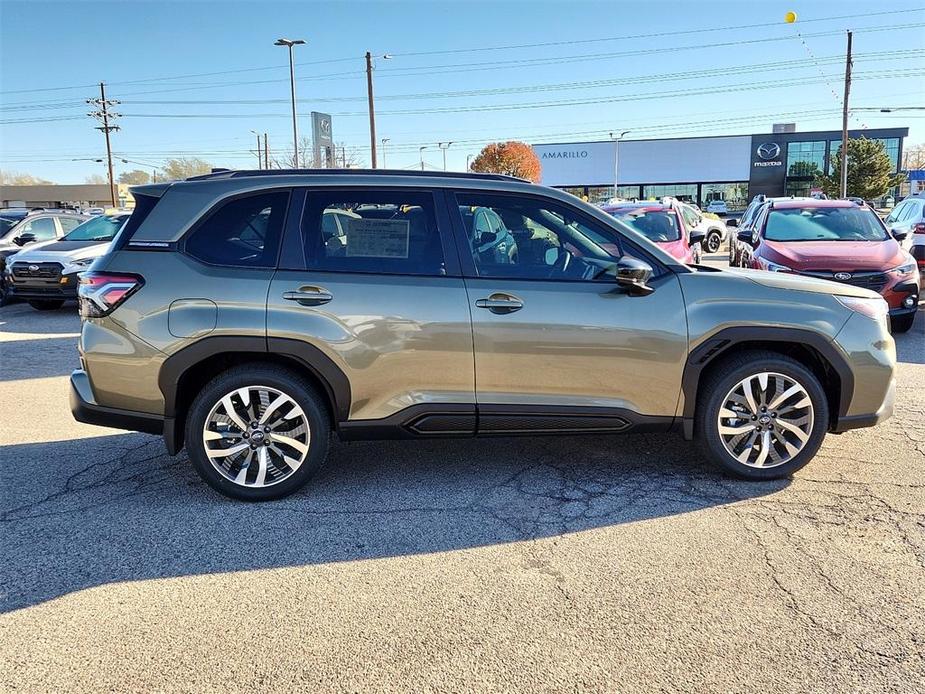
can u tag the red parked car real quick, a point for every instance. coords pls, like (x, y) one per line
(836, 240)
(661, 223)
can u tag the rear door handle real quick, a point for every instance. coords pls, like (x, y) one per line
(500, 303)
(309, 296)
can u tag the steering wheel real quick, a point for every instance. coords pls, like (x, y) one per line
(562, 263)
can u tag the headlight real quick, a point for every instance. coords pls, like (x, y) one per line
(874, 307)
(775, 267)
(905, 269)
(84, 262)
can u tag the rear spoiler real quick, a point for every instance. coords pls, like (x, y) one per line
(152, 190)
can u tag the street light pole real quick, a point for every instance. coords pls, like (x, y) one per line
(616, 160)
(384, 140)
(295, 126)
(153, 167)
(372, 108)
(444, 146)
(421, 152)
(468, 158)
(259, 153)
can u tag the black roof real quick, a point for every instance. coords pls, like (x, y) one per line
(239, 173)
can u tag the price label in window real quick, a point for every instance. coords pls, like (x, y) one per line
(378, 238)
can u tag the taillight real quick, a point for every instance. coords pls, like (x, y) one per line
(918, 228)
(100, 293)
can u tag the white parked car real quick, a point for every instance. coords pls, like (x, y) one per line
(714, 229)
(717, 207)
(45, 274)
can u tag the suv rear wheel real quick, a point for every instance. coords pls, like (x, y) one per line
(714, 239)
(257, 432)
(762, 415)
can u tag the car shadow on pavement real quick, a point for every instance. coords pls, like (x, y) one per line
(910, 346)
(84, 513)
(21, 360)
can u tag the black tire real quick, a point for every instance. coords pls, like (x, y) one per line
(713, 241)
(46, 304)
(721, 380)
(283, 380)
(902, 324)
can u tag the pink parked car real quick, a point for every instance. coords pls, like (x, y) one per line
(661, 223)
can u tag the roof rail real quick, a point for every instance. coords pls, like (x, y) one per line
(239, 173)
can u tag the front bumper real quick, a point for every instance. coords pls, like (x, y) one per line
(64, 287)
(860, 421)
(85, 409)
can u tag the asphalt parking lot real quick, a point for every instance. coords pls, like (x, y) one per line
(602, 563)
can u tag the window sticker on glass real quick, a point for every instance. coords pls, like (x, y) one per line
(377, 238)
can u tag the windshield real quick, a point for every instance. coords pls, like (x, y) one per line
(656, 225)
(102, 228)
(824, 224)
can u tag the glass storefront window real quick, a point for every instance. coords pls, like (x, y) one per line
(806, 158)
(681, 191)
(891, 144)
(734, 194)
(628, 192)
(598, 194)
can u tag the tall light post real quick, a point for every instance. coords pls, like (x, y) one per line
(295, 126)
(372, 108)
(616, 159)
(468, 158)
(154, 168)
(259, 153)
(421, 152)
(384, 140)
(444, 146)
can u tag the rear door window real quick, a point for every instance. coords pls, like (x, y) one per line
(390, 232)
(243, 232)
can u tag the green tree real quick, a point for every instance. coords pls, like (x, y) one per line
(135, 177)
(870, 171)
(511, 158)
(184, 167)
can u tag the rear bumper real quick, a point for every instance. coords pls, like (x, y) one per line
(86, 410)
(860, 421)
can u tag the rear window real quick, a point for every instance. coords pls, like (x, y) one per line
(98, 229)
(244, 232)
(656, 225)
(824, 224)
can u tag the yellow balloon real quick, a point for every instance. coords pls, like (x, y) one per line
(790, 17)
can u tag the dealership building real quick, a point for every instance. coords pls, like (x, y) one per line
(733, 168)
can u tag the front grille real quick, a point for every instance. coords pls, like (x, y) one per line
(45, 271)
(875, 281)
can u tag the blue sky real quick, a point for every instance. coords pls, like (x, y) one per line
(699, 68)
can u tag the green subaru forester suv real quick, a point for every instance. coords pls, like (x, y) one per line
(245, 315)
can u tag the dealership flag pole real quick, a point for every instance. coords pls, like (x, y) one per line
(843, 184)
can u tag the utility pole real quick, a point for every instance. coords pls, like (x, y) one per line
(103, 115)
(843, 188)
(444, 146)
(266, 153)
(372, 110)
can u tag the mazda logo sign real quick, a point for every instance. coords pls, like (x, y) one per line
(843, 276)
(769, 150)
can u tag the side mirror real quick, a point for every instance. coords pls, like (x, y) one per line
(487, 237)
(697, 236)
(745, 235)
(732, 222)
(899, 234)
(23, 239)
(634, 275)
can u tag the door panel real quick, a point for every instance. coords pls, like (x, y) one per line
(580, 344)
(401, 341)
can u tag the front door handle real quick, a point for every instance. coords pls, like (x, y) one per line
(309, 296)
(500, 303)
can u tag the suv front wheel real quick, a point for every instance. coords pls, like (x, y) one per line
(762, 415)
(257, 432)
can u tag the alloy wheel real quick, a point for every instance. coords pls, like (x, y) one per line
(766, 420)
(256, 436)
(713, 243)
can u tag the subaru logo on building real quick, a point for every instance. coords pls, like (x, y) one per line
(769, 150)
(843, 276)
(33, 268)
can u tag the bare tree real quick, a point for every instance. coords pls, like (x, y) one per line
(14, 178)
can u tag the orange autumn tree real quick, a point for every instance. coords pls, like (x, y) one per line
(511, 158)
